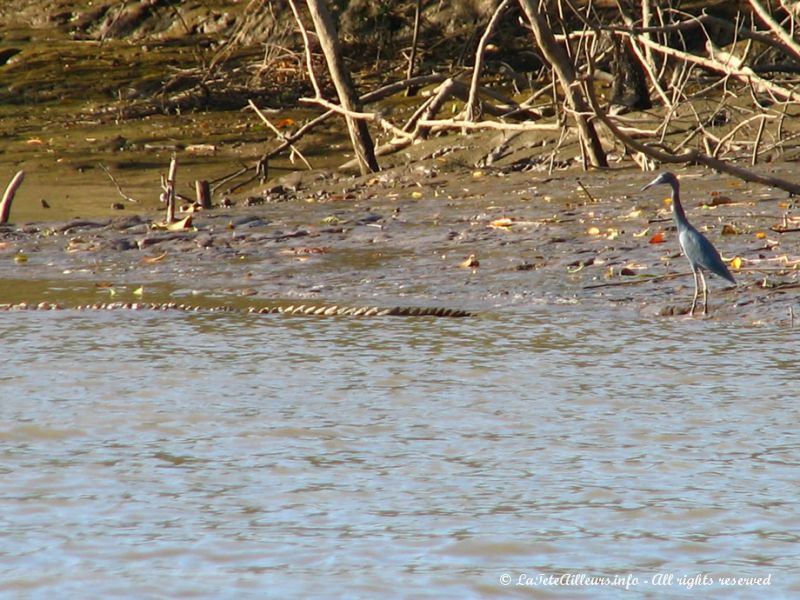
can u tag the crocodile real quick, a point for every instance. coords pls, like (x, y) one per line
(326, 310)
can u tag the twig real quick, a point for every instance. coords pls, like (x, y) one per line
(116, 183)
(277, 132)
(733, 131)
(307, 47)
(585, 191)
(8, 197)
(413, 56)
(640, 279)
(757, 143)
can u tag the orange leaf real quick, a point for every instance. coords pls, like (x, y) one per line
(149, 260)
(658, 238)
(760, 235)
(736, 263)
(284, 123)
(502, 223)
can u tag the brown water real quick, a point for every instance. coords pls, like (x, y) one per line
(233, 456)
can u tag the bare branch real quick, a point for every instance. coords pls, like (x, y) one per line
(779, 31)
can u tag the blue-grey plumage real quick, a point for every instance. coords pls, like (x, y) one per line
(698, 250)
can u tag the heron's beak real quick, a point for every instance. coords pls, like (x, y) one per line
(652, 183)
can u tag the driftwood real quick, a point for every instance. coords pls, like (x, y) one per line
(8, 196)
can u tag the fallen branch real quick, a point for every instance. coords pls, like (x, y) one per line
(637, 280)
(360, 116)
(456, 124)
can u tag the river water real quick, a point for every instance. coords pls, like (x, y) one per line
(148, 455)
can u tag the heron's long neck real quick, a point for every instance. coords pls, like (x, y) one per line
(677, 208)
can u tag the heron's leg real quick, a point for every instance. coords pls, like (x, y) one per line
(696, 289)
(705, 293)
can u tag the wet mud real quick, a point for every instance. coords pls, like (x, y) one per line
(478, 240)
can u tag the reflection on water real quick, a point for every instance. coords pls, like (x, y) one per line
(243, 456)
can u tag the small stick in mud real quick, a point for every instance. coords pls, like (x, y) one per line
(587, 192)
(8, 197)
(203, 191)
(116, 183)
(168, 186)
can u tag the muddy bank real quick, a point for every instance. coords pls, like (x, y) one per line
(486, 240)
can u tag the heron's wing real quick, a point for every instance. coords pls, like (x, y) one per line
(701, 253)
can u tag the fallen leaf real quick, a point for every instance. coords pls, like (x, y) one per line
(736, 263)
(502, 223)
(477, 174)
(184, 223)
(760, 235)
(20, 258)
(149, 260)
(181, 225)
(728, 229)
(718, 200)
(284, 123)
(140, 290)
(471, 262)
(416, 195)
(658, 238)
(612, 234)
(593, 231)
(642, 233)
(332, 220)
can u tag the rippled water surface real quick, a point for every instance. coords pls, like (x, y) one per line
(233, 456)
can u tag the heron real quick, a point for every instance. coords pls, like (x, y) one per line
(698, 250)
